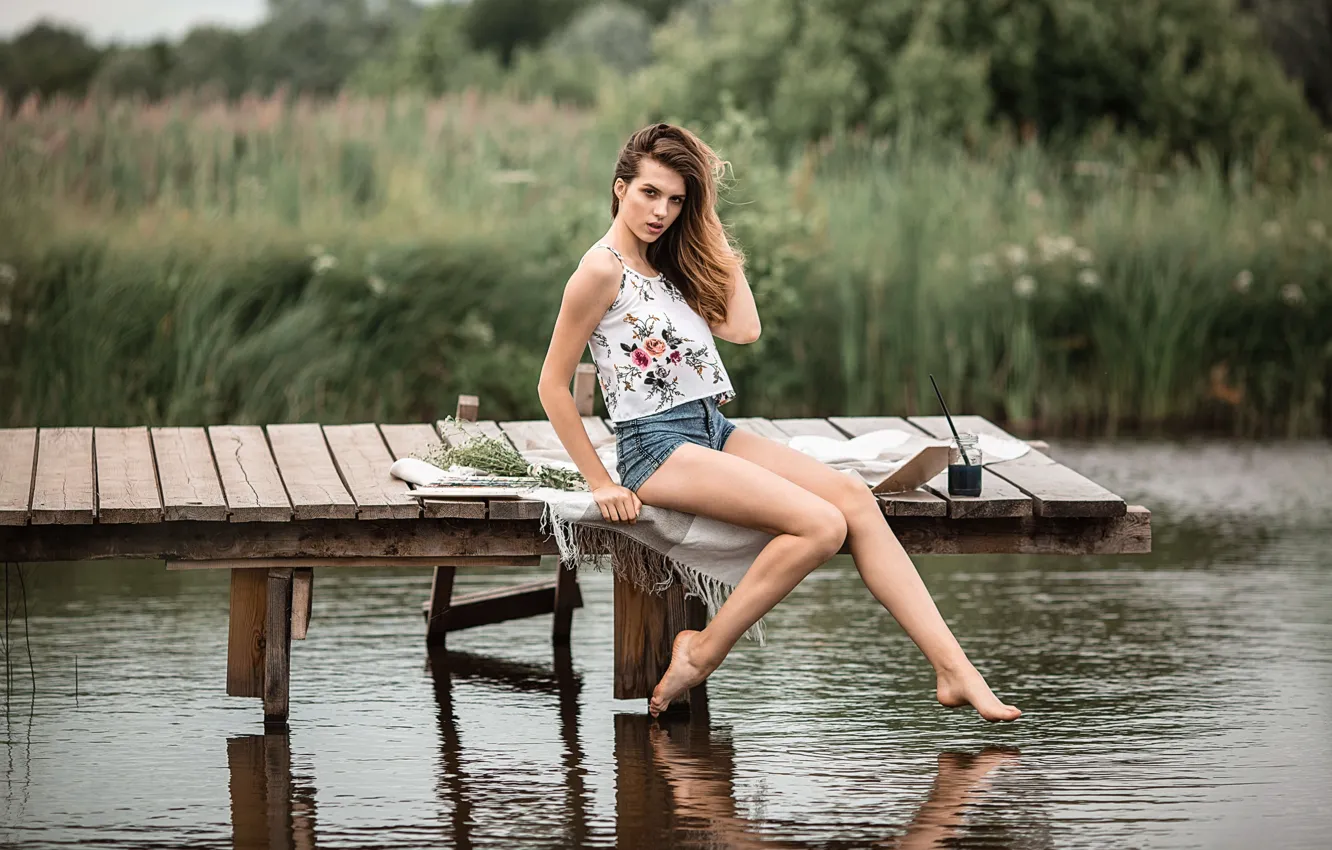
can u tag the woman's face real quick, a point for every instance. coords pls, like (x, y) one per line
(652, 202)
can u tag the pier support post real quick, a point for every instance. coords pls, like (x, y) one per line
(645, 626)
(277, 647)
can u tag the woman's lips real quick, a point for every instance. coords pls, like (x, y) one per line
(655, 228)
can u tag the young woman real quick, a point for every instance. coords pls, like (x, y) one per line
(648, 299)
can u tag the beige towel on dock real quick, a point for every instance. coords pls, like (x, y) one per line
(708, 556)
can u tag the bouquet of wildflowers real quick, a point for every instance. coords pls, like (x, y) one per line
(500, 459)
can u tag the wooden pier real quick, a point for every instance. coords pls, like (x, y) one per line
(272, 503)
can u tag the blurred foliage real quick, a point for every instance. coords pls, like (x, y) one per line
(190, 262)
(1187, 73)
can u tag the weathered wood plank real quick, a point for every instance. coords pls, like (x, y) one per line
(187, 475)
(250, 480)
(277, 647)
(299, 563)
(245, 633)
(762, 427)
(302, 601)
(18, 462)
(456, 432)
(126, 476)
(1055, 490)
(193, 541)
(313, 484)
(908, 503)
(413, 440)
(427, 538)
(998, 497)
(63, 491)
(532, 434)
(364, 461)
(515, 602)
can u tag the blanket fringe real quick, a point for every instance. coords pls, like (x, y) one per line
(647, 569)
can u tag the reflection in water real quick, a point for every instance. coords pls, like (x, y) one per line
(270, 806)
(675, 787)
(1181, 699)
(445, 666)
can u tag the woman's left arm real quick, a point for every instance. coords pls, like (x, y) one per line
(742, 324)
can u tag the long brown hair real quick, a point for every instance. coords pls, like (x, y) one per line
(694, 253)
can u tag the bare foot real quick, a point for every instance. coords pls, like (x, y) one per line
(682, 675)
(967, 687)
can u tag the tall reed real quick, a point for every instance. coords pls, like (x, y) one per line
(193, 262)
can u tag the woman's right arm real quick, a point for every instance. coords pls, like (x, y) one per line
(591, 289)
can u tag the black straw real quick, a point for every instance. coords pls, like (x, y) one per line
(950, 422)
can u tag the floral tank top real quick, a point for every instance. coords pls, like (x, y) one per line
(653, 351)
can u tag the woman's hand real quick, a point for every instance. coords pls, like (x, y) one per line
(617, 503)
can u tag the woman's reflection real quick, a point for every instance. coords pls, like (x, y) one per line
(675, 788)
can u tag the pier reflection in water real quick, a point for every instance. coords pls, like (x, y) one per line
(675, 783)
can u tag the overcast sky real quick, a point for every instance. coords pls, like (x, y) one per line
(129, 20)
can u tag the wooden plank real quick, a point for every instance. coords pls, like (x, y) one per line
(1130, 534)
(415, 441)
(250, 480)
(502, 604)
(908, 503)
(441, 538)
(456, 432)
(245, 633)
(364, 461)
(187, 475)
(18, 463)
(302, 601)
(313, 484)
(277, 647)
(998, 498)
(1055, 490)
(126, 476)
(63, 490)
(324, 538)
(301, 563)
(762, 427)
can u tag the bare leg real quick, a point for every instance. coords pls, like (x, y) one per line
(885, 568)
(809, 530)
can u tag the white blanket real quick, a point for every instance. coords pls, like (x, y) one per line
(707, 555)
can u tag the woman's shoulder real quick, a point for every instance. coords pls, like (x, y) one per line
(598, 274)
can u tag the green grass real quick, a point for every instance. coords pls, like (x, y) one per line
(166, 268)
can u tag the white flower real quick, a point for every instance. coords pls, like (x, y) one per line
(1083, 256)
(1025, 286)
(1089, 279)
(7, 274)
(1243, 281)
(1015, 254)
(324, 262)
(1271, 229)
(1317, 230)
(1046, 248)
(1292, 294)
(376, 284)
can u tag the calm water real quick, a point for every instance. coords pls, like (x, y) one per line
(1174, 700)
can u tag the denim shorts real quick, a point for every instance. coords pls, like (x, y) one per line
(643, 444)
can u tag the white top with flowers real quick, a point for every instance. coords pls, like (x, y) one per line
(653, 351)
